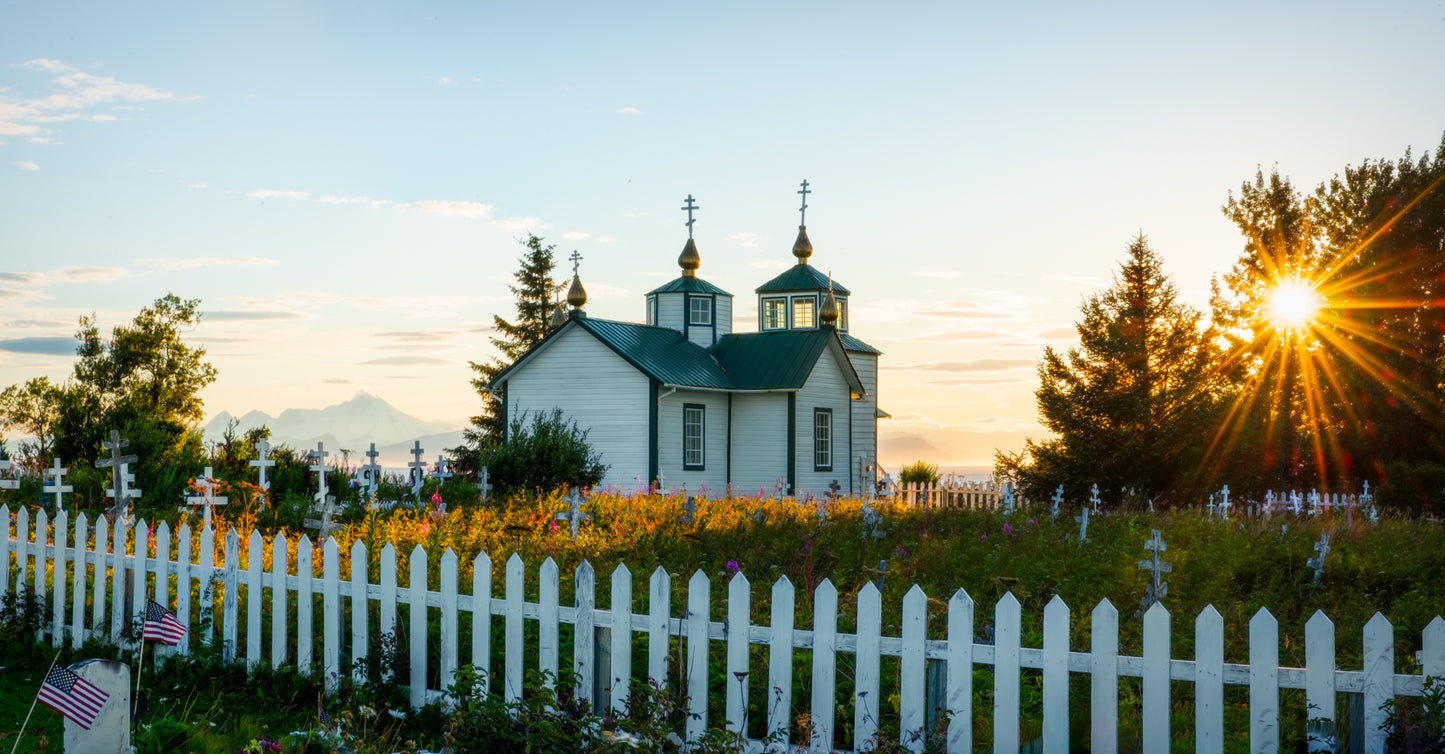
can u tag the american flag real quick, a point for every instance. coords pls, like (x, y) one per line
(161, 624)
(76, 698)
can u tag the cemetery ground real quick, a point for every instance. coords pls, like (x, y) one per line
(1393, 566)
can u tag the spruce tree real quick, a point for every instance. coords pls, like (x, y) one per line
(1130, 406)
(534, 291)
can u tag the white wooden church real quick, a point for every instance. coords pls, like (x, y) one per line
(684, 402)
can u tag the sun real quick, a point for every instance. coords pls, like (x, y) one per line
(1293, 305)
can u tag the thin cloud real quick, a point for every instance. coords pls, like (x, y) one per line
(47, 141)
(26, 165)
(468, 210)
(1060, 332)
(89, 274)
(408, 361)
(950, 274)
(73, 95)
(171, 264)
(43, 323)
(963, 382)
(975, 365)
(242, 315)
(629, 111)
(446, 81)
(575, 235)
(40, 345)
(264, 194)
(606, 239)
(196, 186)
(956, 336)
(520, 223)
(421, 336)
(745, 240)
(338, 381)
(23, 278)
(363, 200)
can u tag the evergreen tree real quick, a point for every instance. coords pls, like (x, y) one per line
(1130, 406)
(534, 292)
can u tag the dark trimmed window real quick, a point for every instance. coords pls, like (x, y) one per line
(699, 310)
(822, 439)
(803, 309)
(775, 314)
(693, 426)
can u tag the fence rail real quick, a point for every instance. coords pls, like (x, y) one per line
(93, 582)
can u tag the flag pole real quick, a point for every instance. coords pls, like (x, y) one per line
(33, 702)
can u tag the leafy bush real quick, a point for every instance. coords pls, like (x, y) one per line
(1413, 489)
(919, 472)
(542, 456)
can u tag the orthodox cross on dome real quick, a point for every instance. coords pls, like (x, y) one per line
(803, 210)
(690, 206)
(576, 260)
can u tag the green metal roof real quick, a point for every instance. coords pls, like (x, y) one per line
(770, 360)
(851, 343)
(801, 277)
(660, 352)
(689, 285)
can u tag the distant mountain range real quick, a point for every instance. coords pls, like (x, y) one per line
(352, 425)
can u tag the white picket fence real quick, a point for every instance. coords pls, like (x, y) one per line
(79, 576)
(949, 493)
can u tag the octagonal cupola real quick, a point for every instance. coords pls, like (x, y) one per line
(694, 307)
(798, 298)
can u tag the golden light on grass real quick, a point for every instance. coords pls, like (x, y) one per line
(1293, 305)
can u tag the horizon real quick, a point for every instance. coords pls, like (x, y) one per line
(343, 190)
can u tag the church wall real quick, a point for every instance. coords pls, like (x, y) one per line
(825, 388)
(865, 417)
(600, 391)
(760, 441)
(715, 445)
(723, 315)
(670, 310)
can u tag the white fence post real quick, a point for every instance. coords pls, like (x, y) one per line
(1155, 684)
(960, 672)
(1056, 677)
(738, 642)
(416, 588)
(825, 644)
(450, 640)
(360, 611)
(280, 636)
(1104, 677)
(78, 633)
(513, 638)
(780, 664)
(305, 576)
(1379, 671)
(621, 627)
(658, 613)
(1320, 683)
(699, 593)
(867, 684)
(912, 693)
(482, 622)
(255, 550)
(549, 641)
(1209, 681)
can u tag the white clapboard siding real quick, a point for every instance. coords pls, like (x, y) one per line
(826, 388)
(69, 567)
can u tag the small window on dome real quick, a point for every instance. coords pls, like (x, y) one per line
(803, 309)
(699, 310)
(775, 314)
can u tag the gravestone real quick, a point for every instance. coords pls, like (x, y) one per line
(323, 524)
(418, 470)
(1221, 508)
(1317, 563)
(1157, 589)
(1083, 519)
(57, 487)
(661, 483)
(872, 522)
(442, 471)
(882, 572)
(689, 510)
(207, 499)
(1094, 498)
(319, 469)
(574, 513)
(120, 478)
(484, 486)
(261, 463)
(110, 734)
(1058, 499)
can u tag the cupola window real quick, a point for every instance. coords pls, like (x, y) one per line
(699, 310)
(803, 309)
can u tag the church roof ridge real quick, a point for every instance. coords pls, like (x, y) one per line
(688, 284)
(800, 277)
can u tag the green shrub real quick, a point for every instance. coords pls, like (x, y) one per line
(1413, 489)
(542, 456)
(919, 472)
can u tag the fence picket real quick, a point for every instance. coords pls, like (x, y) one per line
(255, 549)
(1263, 682)
(386, 616)
(1155, 703)
(1379, 667)
(584, 637)
(5, 549)
(548, 629)
(867, 683)
(1104, 677)
(1006, 639)
(39, 586)
(280, 642)
(205, 574)
(736, 675)
(229, 606)
(1320, 682)
(119, 538)
(416, 588)
(22, 551)
(1056, 677)
(360, 610)
(58, 583)
(780, 664)
(513, 639)
(1209, 681)
(78, 633)
(1432, 655)
(183, 580)
(450, 640)
(305, 593)
(960, 672)
(699, 594)
(912, 665)
(621, 630)
(825, 644)
(659, 607)
(482, 623)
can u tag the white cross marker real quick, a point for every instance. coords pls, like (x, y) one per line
(319, 469)
(119, 479)
(207, 499)
(483, 485)
(1317, 563)
(323, 526)
(1083, 519)
(1094, 498)
(1157, 589)
(418, 469)
(56, 486)
(262, 462)
(1058, 498)
(443, 471)
(574, 513)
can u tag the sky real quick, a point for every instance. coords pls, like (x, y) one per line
(344, 185)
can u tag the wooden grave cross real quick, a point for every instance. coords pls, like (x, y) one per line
(1157, 589)
(1083, 519)
(574, 513)
(871, 520)
(442, 470)
(1222, 506)
(1058, 498)
(371, 472)
(207, 499)
(484, 486)
(119, 478)
(262, 462)
(324, 526)
(418, 469)
(57, 486)
(319, 468)
(834, 488)
(661, 483)
(1317, 563)
(1094, 498)
(8, 484)
(689, 510)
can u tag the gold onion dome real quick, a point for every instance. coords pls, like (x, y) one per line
(689, 260)
(576, 295)
(802, 248)
(559, 315)
(828, 315)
